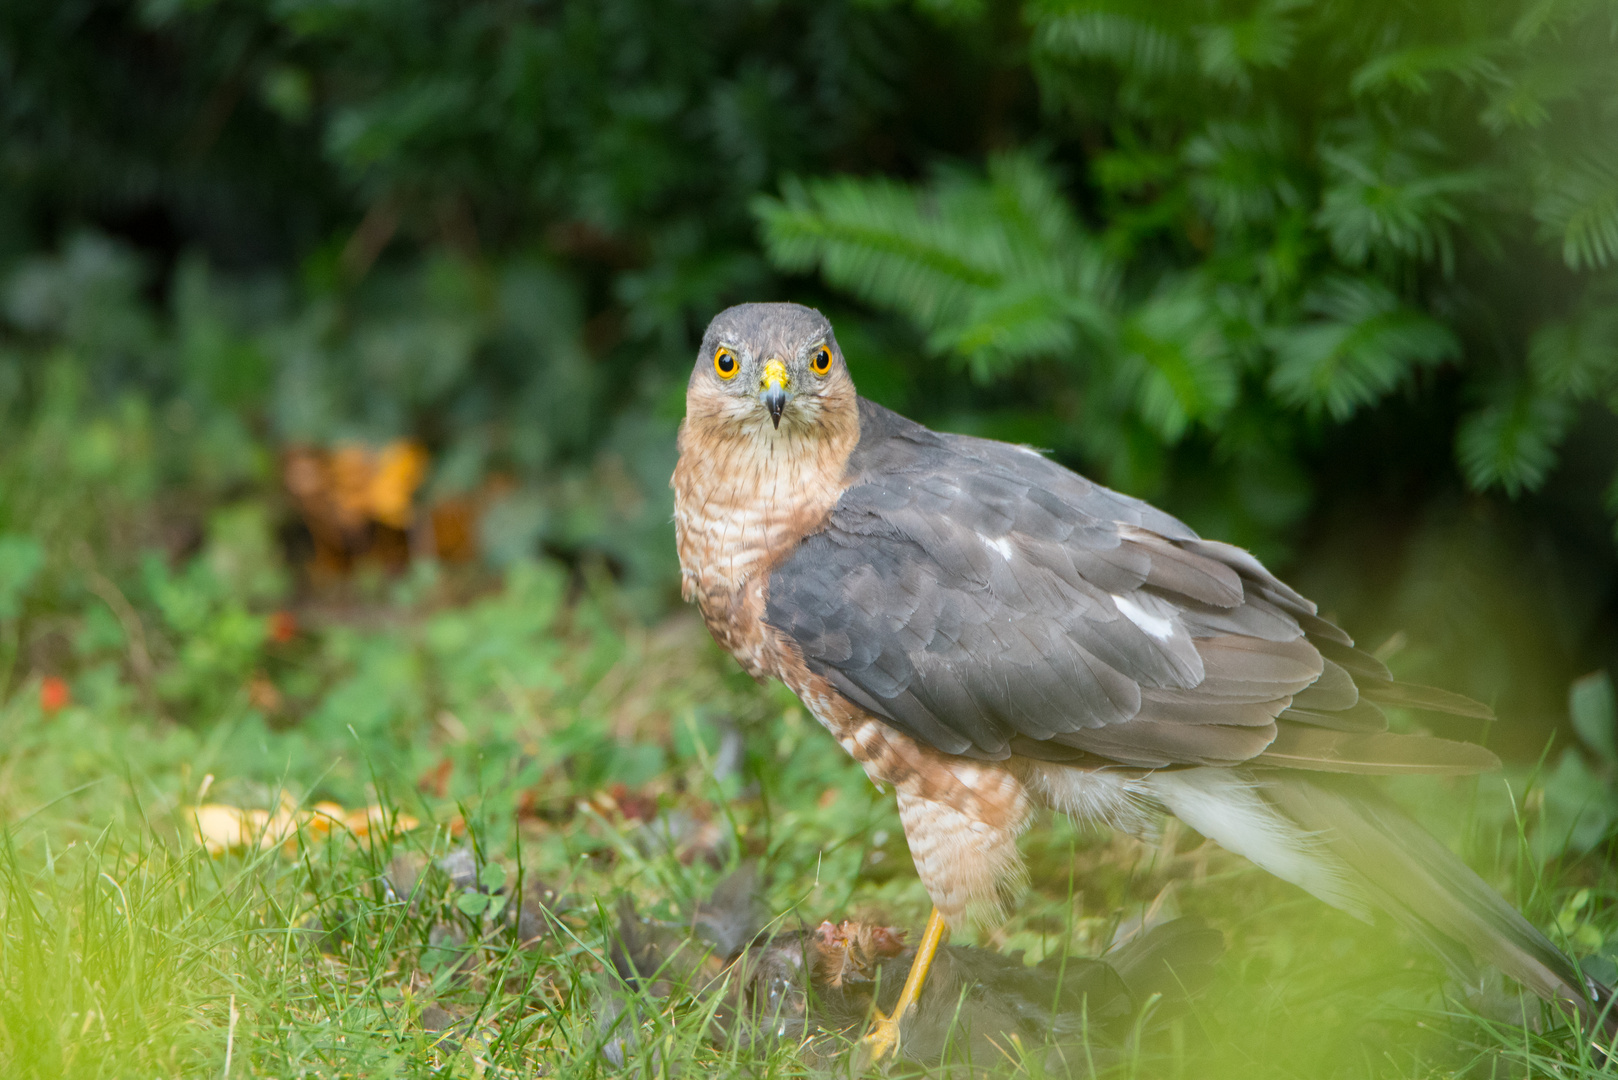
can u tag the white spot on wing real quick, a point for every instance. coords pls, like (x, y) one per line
(1000, 544)
(1157, 626)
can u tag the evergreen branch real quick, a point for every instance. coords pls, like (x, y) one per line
(1364, 345)
(1577, 202)
(1412, 68)
(1578, 356)
(1225, 51)
(1512, 444)
(1386, 198)
(872, 238)
(996, 270)
(1135, 47)
(1175, 354)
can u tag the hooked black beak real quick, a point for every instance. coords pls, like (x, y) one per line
(772, 388)
(775, 400)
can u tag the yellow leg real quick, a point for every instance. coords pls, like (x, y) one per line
(883, 1038)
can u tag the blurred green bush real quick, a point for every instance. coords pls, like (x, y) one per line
(1311, 275)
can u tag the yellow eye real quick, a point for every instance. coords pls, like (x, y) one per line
(820, 362)
(724, 362)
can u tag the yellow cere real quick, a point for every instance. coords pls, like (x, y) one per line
(775, 376)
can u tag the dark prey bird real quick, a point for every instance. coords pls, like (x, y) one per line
(767, 984)
(988, 632)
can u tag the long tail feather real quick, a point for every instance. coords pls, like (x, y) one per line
(1417, 696)
(1341, 839)
(1382, 753)
(1404, 871)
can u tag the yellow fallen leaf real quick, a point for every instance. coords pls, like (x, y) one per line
(361, 822)
(400, 467)
(326, 816)
(222, 829)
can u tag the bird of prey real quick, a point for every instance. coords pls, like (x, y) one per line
(989, 633)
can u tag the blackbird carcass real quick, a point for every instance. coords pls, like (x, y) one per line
(818, 986)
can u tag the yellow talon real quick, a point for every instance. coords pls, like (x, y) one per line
(883, 1037)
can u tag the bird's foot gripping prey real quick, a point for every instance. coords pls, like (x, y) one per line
(990, 633)
(883, 1038)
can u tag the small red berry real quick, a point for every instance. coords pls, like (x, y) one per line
(283, 627)
(54, 695)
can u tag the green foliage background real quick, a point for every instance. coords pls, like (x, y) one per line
(1336, 281)
(1332, 280)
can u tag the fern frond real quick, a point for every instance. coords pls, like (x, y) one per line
(1127, 170)
(873, 238)
(1242, 171)
(1523, 98)
(1174, 353)
(1414, 68)
(1387, 198)
(1577, 202)
(1136, 47)
(996, 270)
(1512, 443)
(1577, 356)
(1226, 51)
(1363, 345)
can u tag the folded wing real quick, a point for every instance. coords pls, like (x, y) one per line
(986, 601)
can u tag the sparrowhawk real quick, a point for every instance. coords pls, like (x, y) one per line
(988, 633)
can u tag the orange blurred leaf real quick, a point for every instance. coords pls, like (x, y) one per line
(399, 470)
(54, 694)
(282, 627)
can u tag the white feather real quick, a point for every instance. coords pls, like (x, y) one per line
(1222, 805)
(1160, 627)
(1112, 797)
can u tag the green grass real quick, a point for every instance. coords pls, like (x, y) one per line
(128, 951)
(581, 755)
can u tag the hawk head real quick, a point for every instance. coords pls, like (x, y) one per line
(770, 368)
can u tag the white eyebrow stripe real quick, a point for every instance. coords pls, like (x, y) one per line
(1157, 626)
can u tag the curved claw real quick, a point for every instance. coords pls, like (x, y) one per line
(883, 1037)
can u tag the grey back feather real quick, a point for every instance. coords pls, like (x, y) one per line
(976, 595)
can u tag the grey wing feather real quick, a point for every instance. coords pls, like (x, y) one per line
(986, 601)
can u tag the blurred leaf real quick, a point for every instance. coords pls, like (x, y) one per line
(1513, 442)
(289, 91)
(1243, 171)
(1387, 197)
(1577, 356)
(1413, 68)
(1364, 343)
(1576, 202)
(1133, 44)
(1594, 711)
(242, 552)
(1579, 809)
(223, 829)
(1524, 97)
(21, 558)
(1185, 366)
(1227, 50)
(492, 878)
(220, 361)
